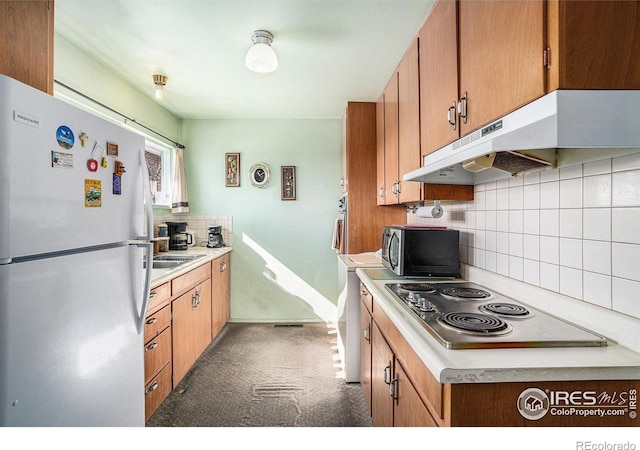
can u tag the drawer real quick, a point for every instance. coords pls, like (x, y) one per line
(190, 279)
(157, 353)
(157, 322)
(366, 298)
(156, 391)
(159, 296)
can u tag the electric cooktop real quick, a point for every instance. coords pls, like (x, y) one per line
(464, 315)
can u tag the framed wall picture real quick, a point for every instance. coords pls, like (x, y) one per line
(232, 169)
(288, 182)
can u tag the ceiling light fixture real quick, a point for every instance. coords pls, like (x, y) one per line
(261, 57)
(160, 81)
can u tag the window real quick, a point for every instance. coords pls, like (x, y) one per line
(159, 174)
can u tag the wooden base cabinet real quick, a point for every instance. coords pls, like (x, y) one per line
(416, 398)
(381, 374)
(365, 353)
(157, 359)
(390, 394)
(220, 307)
(157, 349)
(191, 325)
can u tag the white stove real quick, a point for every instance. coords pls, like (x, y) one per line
(464, 315)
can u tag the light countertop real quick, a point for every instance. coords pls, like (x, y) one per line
(613, 362)
(159, 276)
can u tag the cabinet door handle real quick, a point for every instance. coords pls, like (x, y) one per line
(462, 107)
(223, 266)
(153, 294)
(195, 300)
(384, 375)
(151, 346)
(381, 192)
(152, 320)
(393, 389)
(451, 115)
(366, 332)
(151, 388)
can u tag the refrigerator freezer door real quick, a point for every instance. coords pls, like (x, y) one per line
(70, 351)
(47, 190)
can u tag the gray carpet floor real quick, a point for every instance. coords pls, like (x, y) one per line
(266, 375)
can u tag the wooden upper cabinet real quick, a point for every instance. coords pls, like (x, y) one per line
(391, 141)
(409, 155)
(438, 42)
(380, 152)
(26, 42)
(501, 45)
(594, 44)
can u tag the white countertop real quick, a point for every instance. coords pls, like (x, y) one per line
(613, 362)
(159, 276)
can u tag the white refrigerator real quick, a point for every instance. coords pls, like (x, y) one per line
(73, 292)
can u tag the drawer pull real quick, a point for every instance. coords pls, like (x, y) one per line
(153, 294)
(152, 320)
(151, 388)
(151, 346)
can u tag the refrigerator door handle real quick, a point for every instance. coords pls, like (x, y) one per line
(145, 241)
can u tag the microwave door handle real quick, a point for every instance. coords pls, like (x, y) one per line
(389, 243)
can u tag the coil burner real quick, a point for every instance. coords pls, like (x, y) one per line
(420, 288)
(465, 293)
(475, 323)
(507, 310)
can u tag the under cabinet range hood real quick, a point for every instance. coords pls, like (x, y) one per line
(560, 129)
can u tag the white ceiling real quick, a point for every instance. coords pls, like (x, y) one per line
(329, 51)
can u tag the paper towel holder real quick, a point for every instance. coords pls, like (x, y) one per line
(422, 211)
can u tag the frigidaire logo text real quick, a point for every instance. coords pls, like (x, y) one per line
(534, 403)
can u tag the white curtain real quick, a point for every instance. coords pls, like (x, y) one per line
(179, 197)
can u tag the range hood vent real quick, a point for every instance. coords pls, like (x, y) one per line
(562, 128)
(516, 163)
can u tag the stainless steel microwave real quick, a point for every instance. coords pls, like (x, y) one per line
(414, 251)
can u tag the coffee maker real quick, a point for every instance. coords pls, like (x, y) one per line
(214, 237)
(179, 239)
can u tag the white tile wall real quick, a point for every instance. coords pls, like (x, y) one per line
(199, 224)
(574, 231)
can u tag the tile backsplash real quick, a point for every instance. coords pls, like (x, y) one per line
(199, 224)
(574, 231)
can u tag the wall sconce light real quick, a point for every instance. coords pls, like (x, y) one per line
(261, 57)
(159, 81)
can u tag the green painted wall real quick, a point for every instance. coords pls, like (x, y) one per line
(283, 267)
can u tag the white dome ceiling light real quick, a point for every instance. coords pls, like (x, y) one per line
(261, 57)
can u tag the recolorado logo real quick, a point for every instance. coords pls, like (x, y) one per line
(534, 403)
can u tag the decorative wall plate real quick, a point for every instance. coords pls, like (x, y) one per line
(259, 175)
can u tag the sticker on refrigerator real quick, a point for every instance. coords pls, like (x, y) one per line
(117, 184)
(61, 160)
(65, 137)
(92, 193)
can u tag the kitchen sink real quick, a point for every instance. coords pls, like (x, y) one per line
(171, 261)
(176, 258)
